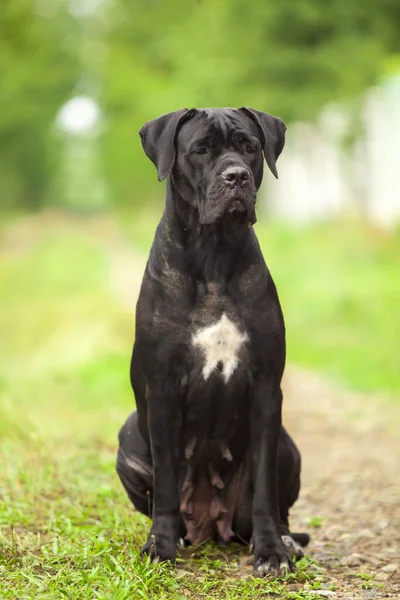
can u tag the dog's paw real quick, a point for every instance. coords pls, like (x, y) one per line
(159, 548)
(273, 565)
(293, 548)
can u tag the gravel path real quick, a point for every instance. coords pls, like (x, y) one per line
(351, 479)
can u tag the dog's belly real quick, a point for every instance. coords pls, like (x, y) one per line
(216, 425)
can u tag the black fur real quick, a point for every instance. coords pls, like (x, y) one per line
(205, 456)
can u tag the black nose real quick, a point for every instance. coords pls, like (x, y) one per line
(235, 176)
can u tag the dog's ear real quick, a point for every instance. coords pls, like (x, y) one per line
(272, 132)
(158, 140)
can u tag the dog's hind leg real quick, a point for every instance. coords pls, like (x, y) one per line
(134, 466)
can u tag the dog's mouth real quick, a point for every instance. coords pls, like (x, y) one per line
(236, 206)
(240, 213)
(236, 212)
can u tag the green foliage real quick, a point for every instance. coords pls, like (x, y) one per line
(286, 57)
(143, 58)
(38, 71)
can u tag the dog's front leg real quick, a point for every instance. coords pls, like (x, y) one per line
(163, 423)
(270, 554)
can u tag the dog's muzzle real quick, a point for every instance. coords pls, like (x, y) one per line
(231, 196)
(237, 181)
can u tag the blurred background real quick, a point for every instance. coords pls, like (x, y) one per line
(79, 201)
(78, 79)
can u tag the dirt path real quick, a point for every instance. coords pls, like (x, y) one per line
(351, 478)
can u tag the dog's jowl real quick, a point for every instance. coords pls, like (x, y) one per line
(205, 454)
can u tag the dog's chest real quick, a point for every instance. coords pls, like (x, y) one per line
(219, 347)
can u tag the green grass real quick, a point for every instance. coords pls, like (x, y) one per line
(66, 526)
(339, 285)
(67, 529)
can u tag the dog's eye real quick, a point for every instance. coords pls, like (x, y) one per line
(250, 149)
(201, 150)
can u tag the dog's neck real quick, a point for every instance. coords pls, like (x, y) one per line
(211, 253)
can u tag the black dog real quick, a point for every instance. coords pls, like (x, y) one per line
(206, 454)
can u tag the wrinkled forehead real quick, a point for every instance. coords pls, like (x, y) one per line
(219, 122)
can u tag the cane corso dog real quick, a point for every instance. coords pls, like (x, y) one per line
(205, 454)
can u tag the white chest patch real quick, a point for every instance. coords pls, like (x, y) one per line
(220, 344)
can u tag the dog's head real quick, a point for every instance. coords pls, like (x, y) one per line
(215, 157)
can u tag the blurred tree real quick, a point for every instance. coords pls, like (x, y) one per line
(286, 57)
(144, 57)
(38, 70)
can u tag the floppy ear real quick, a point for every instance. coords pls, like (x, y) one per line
(158, 140)
(272, 132)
